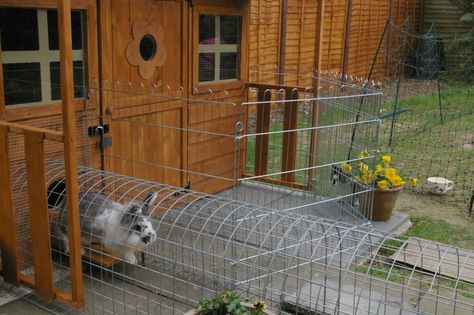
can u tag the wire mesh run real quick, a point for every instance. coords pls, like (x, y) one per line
(279, 147)
(204, 243)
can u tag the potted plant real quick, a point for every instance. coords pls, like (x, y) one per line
(229, 302)
(385, 180)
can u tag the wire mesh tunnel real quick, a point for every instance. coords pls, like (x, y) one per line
(201, 244)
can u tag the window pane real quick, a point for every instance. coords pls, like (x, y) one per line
(207, 29)
(228, 66)
(77, 27)
(19, 29)
(22, 83)
(230, 29)
(78, 73)
(206, 67)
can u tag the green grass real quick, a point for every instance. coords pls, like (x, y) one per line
(441, 231)
(424, 147)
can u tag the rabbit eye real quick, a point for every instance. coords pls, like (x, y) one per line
(137, 228)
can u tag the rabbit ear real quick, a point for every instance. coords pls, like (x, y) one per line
(56, 193)
(149, 200)
(130, 214)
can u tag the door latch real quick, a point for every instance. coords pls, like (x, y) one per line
(105, 140)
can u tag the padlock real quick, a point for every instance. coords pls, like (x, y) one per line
(106, 141)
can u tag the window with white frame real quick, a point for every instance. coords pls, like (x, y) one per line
(30, 53)
(219, 48)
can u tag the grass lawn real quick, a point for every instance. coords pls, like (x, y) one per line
(423, 147)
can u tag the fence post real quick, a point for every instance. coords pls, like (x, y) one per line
(8, 241)
(263, 125)
(290, 122)
(37, 198)
(70, 157)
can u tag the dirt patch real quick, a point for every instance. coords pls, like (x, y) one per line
(466, 141)
(434, 207)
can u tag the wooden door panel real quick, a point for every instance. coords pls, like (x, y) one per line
(146, 127)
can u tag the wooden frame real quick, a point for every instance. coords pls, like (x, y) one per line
(199, 88)
(27, 111)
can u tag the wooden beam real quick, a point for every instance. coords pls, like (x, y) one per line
(2, 91)
(70, 157)
(37, 199)
(263, 125)
(316, 92)
(21, 129)
(282, 41)
(347, 31)
(290, 122)
(318, 47)
(8, 243)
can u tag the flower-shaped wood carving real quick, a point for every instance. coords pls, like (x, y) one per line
(147, 49)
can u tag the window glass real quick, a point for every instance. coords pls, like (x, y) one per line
(207, 29)
(77, 28)
(78, 73)
(228, 66)
(219, 47)
(22, 83)
(19, 29)
(230, 29)
(31, 57)
(206, 67)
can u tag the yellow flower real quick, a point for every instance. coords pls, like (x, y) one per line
(260, 305)
(368, 177)
(390, 173)
(363, 154)
(386, 159)
(378, 169)
(414, 181)
(383, 184)
(346, 168)
(364, 168)
(397, 181)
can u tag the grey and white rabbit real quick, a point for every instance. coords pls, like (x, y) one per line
(119, 227)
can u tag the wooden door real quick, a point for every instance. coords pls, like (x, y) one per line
(143, 58)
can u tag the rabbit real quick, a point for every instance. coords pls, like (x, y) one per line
(119, 227)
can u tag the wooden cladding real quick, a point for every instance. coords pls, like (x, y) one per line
(351, 31)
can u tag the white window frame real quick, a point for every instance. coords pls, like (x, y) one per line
(217, 48)
(43, 56)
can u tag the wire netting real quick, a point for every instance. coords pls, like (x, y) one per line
(428, 108)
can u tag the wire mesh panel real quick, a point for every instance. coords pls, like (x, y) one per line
(201, 244)
(280, 149)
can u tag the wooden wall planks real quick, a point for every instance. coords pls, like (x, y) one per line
(368, 19)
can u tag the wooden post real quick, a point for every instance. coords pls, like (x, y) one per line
(316, 82)
(2, 91)
(282, 43)
(37, 198)
(70, 157)
(263, 125)
(8, 241)
(290, 122)
(347, 31)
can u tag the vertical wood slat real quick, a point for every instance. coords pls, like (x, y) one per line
(2, 91)
(70, 156)
(8, 242)
(37, 197)
(290, 122)
(316, 91)
(263, 125)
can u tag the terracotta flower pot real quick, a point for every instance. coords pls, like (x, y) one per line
(384, 201)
